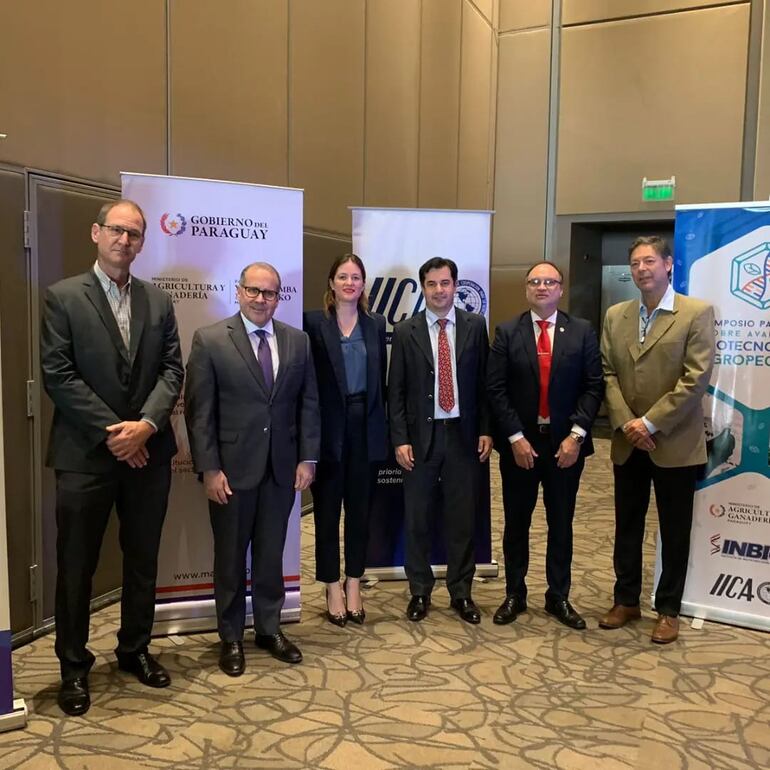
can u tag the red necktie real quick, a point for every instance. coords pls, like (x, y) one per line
(544, 364)
(446, 396)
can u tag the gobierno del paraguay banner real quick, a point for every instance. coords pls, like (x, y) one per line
(200, 234)
(393, 243)
(722, 255)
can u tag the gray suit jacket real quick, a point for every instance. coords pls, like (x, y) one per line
(94, 381)
(233, 423)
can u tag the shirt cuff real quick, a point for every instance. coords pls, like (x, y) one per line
(515, 437)
(314, 462)
(580, 431)
(154, 426)
(650, 427)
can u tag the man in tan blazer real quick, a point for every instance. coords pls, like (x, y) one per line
(657, 355)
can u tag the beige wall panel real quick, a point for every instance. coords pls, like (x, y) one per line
(580, 11)
(624, 116)
(72, 99)
(229, 90)
(487, 9)
(473, 177)
(521, 153)
(523, 14)
(507, 294)
(439, 102)
(762, 168)
(392, 102)
(326, 109)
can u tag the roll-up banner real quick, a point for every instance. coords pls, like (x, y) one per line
(13, 713)
(393, 243)
(722, 255)
(200, 234)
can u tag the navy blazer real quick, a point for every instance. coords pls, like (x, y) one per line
(234, 424)
(411, 382)
(575, 387)
(94, 381)
(332, 384)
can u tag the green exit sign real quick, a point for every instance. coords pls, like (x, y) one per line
(658, 189)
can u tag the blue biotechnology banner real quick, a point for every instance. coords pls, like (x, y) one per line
(722, 255)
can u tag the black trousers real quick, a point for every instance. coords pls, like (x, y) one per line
(258, 517)
(348, 481)
(83, 505)
(451, 467)
(520, 488)
(674, 491)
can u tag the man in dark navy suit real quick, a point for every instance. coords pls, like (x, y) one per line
(439, 424)
(545, 386)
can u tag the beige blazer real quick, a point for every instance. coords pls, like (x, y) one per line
(663, 379)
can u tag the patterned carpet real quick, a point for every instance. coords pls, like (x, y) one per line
(438, 694)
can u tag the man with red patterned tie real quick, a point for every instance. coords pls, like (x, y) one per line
(545, 386)
(439, 424)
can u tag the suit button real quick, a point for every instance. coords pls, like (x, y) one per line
(264, 430)
(430, 396)
(432, 372)
(430, 419)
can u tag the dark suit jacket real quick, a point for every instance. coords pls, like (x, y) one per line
(332, 386)
(575, 387)
(233, 423)
(94, 382)
(411, 404)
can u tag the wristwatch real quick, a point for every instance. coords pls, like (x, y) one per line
(578, 438)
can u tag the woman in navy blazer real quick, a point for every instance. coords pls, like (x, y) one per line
(348, 344)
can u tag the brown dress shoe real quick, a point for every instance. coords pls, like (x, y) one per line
(666, 629)
(619, 615)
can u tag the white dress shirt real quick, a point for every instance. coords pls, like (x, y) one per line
(451, 332)
(270, 337)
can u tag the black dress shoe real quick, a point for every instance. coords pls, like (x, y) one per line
(279, 647)
(357, 616)
(467, 610)
(73, 698)
(417, 608)
(565, 613)
(509, 609)
(146, 669)
(231, 659)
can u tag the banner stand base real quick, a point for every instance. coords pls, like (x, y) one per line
(206, 621)
(15, 719)
(439, 571)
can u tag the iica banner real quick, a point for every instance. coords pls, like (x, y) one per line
(722, 255)
(393, 243)
(200, 235)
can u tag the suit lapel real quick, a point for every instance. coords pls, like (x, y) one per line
(331, 337)
(527, 332)
(661, 324)
(369, 329)
(421, 336)
(139, 312)
(560, 331)
(461, 334)
(285, 353)
(243, 346)
(98, 299)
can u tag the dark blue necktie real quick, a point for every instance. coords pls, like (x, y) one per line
(265, 359)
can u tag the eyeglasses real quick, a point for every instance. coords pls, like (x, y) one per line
(549, 283)
(253, 292)
(117, 232)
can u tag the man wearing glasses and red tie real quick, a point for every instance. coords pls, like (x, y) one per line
(545, 386)
(251, 408)
(439, 425)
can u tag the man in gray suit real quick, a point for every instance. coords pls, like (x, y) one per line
(251, 405)
(112, 366)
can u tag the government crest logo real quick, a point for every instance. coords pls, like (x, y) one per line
(173, 224)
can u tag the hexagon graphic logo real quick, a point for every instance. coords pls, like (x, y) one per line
(750, 276)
